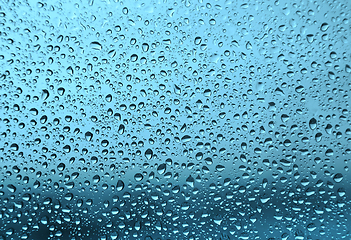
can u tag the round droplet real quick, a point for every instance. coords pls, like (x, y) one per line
(34, 111)
(199, 156)
(243, 146)
(209, 161)
(161, 169)
(14, 147)
(11, 188)
(133, 58)
(108, 98)
(43, 119)
(26, 197)
(310, 38)
(133, 41)
(331, 75)
(145, 47)
(329, 152)
(338, 177)
(120, 185)
(61, 91)
(197, 40)
(324, 27)
(318, 137)
(115, 210)
(61, 167)
(284, 118)
(148, 154)
(96, 179)
(88, 136)
(104, 143)
(138, 177)
(212, 21)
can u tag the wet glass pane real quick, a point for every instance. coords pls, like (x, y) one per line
(185, 119)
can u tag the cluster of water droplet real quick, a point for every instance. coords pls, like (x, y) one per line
(184, 119)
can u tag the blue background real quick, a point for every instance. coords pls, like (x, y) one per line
(175, 119)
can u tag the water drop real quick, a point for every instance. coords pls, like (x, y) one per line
(88, 136)
(148, 154)
(120, 185)
(138, 177)
(324, 27)
(95, 45)
(161, 169)
(338, 177)
(312, 123)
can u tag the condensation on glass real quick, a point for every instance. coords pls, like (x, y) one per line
(175, 119)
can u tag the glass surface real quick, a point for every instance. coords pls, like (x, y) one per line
(175, 119)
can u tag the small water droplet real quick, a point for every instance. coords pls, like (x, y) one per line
(95, 45)
(312, 123)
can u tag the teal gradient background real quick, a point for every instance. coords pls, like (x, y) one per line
(175, 119)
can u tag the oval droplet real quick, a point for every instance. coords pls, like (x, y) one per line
(312, 123)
